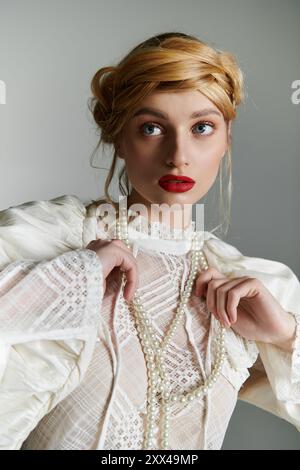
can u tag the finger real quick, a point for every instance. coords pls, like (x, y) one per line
(129, 266)
(122, 245)
(216, 298)
(211, 296)
(115, 242)
(226, 315)
(131, 273)
(204, 278)
(247, 288)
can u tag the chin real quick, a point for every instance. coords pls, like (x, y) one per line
(172, 198)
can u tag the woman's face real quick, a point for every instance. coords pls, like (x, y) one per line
(176, 143)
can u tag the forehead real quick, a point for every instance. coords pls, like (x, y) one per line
(177, 95)
(189, 104)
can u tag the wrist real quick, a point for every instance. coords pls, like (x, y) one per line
(288, 335)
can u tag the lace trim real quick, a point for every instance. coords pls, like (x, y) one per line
(138, 224)
(159, 229)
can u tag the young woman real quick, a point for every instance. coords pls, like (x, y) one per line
(121, 329)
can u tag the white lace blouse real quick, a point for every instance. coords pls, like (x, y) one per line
(72, 370)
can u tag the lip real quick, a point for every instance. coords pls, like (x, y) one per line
(167, 178)
(184, 183)
(176, 187)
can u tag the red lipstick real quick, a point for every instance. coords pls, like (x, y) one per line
(176, 183)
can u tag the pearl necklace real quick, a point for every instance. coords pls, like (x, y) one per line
(155, 351)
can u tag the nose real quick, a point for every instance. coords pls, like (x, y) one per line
(179, 155)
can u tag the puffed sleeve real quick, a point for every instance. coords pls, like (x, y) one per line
(49, 319)
(41, 230)
(274, 380)
(50, 299)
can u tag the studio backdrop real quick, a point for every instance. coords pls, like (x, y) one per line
(49, 51)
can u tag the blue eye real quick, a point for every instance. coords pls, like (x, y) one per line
(204, 127)
(205, 124)
(149, 125)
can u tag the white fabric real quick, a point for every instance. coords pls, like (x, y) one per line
(62, 388)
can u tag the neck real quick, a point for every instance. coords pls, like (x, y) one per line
(174, 219)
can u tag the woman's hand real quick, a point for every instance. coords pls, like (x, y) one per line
(115, 254)
(247, 306)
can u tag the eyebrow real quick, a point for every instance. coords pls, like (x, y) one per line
(160, 114)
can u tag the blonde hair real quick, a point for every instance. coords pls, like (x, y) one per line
(167, 62)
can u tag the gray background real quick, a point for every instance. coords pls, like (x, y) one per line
(49, 52)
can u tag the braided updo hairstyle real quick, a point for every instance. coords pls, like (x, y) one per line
(171, 61)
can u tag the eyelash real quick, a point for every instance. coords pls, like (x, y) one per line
(200, 122)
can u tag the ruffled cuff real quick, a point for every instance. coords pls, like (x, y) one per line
(283, 367)
(295, 355)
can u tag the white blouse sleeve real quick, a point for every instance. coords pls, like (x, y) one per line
(41, 230)
(274, 381)
(49, 319)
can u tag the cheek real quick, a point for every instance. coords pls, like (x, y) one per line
(139, 169)
(208, 175)
(214, 148)
(140, 160)
(209, 164)
(211, 157)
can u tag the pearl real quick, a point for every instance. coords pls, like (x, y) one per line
(153, 348)
(149, 352)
